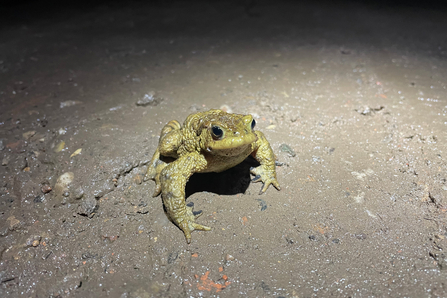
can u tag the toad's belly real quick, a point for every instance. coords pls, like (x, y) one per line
(217, 163)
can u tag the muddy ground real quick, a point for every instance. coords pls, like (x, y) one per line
(352, 98)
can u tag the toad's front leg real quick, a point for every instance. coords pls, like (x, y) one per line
(173, 180)
(266, 172)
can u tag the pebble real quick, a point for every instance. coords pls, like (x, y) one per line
(286, 148)
(59, 147)
(149, 99)
(69, 103)
(78, 193)
(46, 188)
(39, 199)
(63, 183)
(33, 240)
(13, 222)
(262, 203)
(2, 144)
(226, 108)
(88, 206)
(28, 134)
(360, 236)
(78, 151)
(138, 179)
(229, 257)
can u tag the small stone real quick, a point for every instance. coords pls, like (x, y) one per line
(149, 99)
(33, 240)
(78, 193)
(13, 222)
(59, 147)
(63, 184)
(110, 238)
(2, 144)
(46, 188)
(69, 103)
(5, 161)
(39, 199)
(287, 149)
(226, 108)
(366, 111)
(88, 206)
(78, 151)
(229, 257)
(360, 236)
(28, 134)
(138, 179)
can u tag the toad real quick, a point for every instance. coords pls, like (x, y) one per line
(211, 141)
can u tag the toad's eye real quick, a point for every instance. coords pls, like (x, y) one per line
(253, 124)
(217, 132)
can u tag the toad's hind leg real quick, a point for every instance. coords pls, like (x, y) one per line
(170, 139)
(173, 180)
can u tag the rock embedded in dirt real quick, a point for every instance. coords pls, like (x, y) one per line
(287, 149)
(2, 144)
(69, 103)
(262, 203)
(59, 147)
(77, 193)
(313, 238)
(39, 199)
(368, 111)
(5, 161)
(63, 183)
(33, 240)
(13, 222)
(138, 179)
(46, 188)
(360, 236)
(87, 206)
(27, 135)
(149, 99)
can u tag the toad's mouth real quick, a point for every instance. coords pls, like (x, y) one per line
(232, 145)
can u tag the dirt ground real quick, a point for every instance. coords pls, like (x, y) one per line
(352, 98)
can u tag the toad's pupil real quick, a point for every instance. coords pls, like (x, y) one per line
(253, 124)
(217, 131)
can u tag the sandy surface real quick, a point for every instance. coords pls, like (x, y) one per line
(351, 97)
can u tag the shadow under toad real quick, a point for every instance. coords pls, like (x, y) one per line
(230, 182)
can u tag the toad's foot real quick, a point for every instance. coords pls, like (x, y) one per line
(153, 172)
(267, 176)
(187, 223)
(156, 165)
